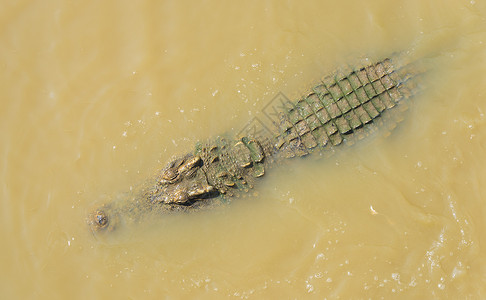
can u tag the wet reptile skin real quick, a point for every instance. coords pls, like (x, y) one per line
(343, 107)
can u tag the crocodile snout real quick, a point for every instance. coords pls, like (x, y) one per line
(101, 220)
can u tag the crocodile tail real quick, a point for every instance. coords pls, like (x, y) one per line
(344, 106)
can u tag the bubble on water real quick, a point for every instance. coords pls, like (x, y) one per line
(413, 282)
(458, 270)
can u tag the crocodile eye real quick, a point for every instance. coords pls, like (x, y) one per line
(180, 196)
(190, 165)
(169, 174)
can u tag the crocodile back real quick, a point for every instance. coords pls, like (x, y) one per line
(344, 106)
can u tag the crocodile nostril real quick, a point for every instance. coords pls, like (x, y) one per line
(99, 219)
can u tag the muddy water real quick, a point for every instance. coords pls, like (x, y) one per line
(97, 97)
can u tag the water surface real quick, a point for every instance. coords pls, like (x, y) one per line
(97, 97)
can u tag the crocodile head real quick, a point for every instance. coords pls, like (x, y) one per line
(182, 182)
(181, 186)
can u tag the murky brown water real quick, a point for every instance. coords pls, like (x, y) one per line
(97, 97)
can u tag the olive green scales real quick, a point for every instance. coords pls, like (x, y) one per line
(342, 107)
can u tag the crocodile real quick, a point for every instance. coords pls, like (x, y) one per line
(341, 108)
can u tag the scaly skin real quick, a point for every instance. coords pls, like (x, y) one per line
(345, 105)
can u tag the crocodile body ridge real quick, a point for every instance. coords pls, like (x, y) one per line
(344, 106)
